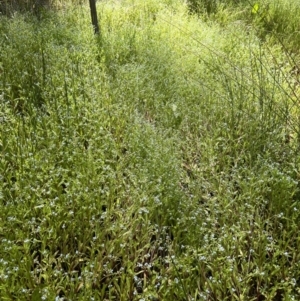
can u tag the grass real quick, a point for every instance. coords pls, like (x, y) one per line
(158, 163)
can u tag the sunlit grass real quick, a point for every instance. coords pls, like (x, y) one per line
(158, 163)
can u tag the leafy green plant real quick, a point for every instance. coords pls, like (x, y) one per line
(159, 164)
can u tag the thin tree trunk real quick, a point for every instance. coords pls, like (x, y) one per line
(94, 17)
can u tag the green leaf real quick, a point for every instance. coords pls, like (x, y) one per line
(255, 8)
(36, 296)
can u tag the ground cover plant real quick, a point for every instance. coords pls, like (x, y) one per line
(158, 161)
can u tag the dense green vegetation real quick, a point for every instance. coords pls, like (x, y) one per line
(159, 161)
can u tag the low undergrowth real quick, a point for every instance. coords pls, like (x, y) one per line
(159, 162)
(275, 21)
